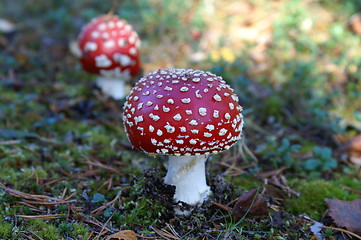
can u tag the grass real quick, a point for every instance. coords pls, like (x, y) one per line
(295, 66)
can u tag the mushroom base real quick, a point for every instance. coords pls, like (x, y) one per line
(113, 87)
(187, 174)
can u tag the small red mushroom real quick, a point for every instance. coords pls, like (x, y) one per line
(186, 114)
(110, 48)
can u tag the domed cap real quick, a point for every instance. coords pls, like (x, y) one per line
(110, 47)
(182, 112)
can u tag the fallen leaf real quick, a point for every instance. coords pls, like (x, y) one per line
(124, 235)
(355, 23)
(354, 145)
(251, 204)
(346, 214)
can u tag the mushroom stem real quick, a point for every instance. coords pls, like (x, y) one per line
(113, 87)
(187, 173)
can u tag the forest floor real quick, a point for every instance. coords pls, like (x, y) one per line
(69, 172)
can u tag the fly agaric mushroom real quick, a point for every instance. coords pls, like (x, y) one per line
(186, 114)
(110, 48)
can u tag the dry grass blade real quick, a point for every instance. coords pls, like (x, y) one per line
(164, 234)
(49, 216)
(26, 236)
(223, 207)
(32, 197)
(172, 230)
(101, 165)
(36, 235)
(10, 142)
(88, 173)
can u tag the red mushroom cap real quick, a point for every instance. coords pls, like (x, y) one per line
(109, 47)
(182, 112)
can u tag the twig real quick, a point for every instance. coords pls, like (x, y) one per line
(10, 142)
(36, 235)
(49, 216)
(104, 227)
(342, 230)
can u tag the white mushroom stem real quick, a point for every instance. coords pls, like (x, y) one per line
(113, 87)
(188, 175)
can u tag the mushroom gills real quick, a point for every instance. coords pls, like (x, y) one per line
(187, 174)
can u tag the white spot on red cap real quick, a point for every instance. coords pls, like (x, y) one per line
(184, 89)
(123, 59)
(133, 51)
(222, 132)
(198, 95)
(186, 100)
(202, 111)
(193, 141)
(177, 117)
(217, 98)
(193, 122)
(170, 129)
(109, 44)
(189, 112)
(151, 128)
(195, 131)
(102, 61)
(210, 127)
(215, 113)
(154, 117)
(95, 34)
(90, 46)
(165, 109)
(122, 42)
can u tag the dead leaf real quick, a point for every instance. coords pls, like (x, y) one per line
(346, 214)
(124, 235)
(354, 145)
(251, 204)
(355, 23)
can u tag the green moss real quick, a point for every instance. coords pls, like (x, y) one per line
(74, 230)
(44, 229)
(243, 182)
(6, 230)
(144, 212)
(312, 197)
(350, 182)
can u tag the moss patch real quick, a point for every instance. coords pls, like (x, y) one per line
(312, 194)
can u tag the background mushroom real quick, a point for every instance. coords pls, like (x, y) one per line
(110, 48)
(186, 114)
